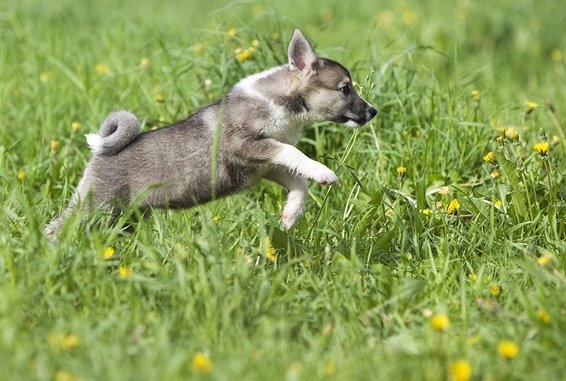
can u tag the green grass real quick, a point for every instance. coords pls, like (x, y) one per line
(352, 290)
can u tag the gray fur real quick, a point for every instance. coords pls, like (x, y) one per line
(116, 132)
(254, 127)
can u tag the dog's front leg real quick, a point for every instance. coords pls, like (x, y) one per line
(296, 198)
(295, 161)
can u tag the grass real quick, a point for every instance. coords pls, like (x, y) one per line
(386, 277)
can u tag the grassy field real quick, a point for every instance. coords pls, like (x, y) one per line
(441, 254)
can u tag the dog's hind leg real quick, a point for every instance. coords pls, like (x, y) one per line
(79, 197)
(53, 228)
(296, 198)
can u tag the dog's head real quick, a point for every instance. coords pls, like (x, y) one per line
(326, 86)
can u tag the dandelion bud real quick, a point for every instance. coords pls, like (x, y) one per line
(453, 207)
(489, 157)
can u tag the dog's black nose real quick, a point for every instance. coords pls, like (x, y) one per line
(371, 112)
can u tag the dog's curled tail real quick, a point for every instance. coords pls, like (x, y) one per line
(116, 132)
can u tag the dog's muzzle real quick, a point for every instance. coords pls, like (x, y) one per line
(357, 120)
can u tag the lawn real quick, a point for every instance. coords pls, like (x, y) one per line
(441, 254)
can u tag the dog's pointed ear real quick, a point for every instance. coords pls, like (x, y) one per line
(301, 52)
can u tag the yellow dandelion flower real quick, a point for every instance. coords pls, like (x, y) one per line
(216, 219)
(508, 349)
(489, 157)
(473, 277)
(202, 363)
(545, 260)
(144, 63)
(453, 206)
(270, 250)
(542, 148)
(401, 171)
(232, 32)
(512, 133)
(495, 290)
(440, 322)
(498, 203)
(108, 253)
(198, 48)
(529, 105)
(159, 98)
(70, 342)
(409, 16)
(63, 375)
(54, 144)
(556, 55)
(21, 175)
(427, 212)
(75, 126)
(255, 43)
(244, 54)
(461, 370)
(475, 95)
(101, 69)
(124, 272)
(64, 342)
(44, 77)
(543, 316)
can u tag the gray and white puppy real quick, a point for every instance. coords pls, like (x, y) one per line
(225, 147)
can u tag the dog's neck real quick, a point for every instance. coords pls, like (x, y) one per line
(279, 88)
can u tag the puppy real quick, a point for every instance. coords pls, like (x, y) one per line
(225, 147)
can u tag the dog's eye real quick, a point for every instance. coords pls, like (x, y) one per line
(345, 89)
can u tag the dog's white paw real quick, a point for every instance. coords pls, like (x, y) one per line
(53, 228)
(324, 175)
(294, 208)
(289, 220)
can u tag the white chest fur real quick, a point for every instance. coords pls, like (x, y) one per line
(280, 124)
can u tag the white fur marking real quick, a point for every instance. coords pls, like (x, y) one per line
(94, 142)
(294, 206)
(282, 126)
(210, 119)
(352, 124)
(247, 83)
(297, 162)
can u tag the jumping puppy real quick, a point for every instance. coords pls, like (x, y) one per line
(225, 147)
